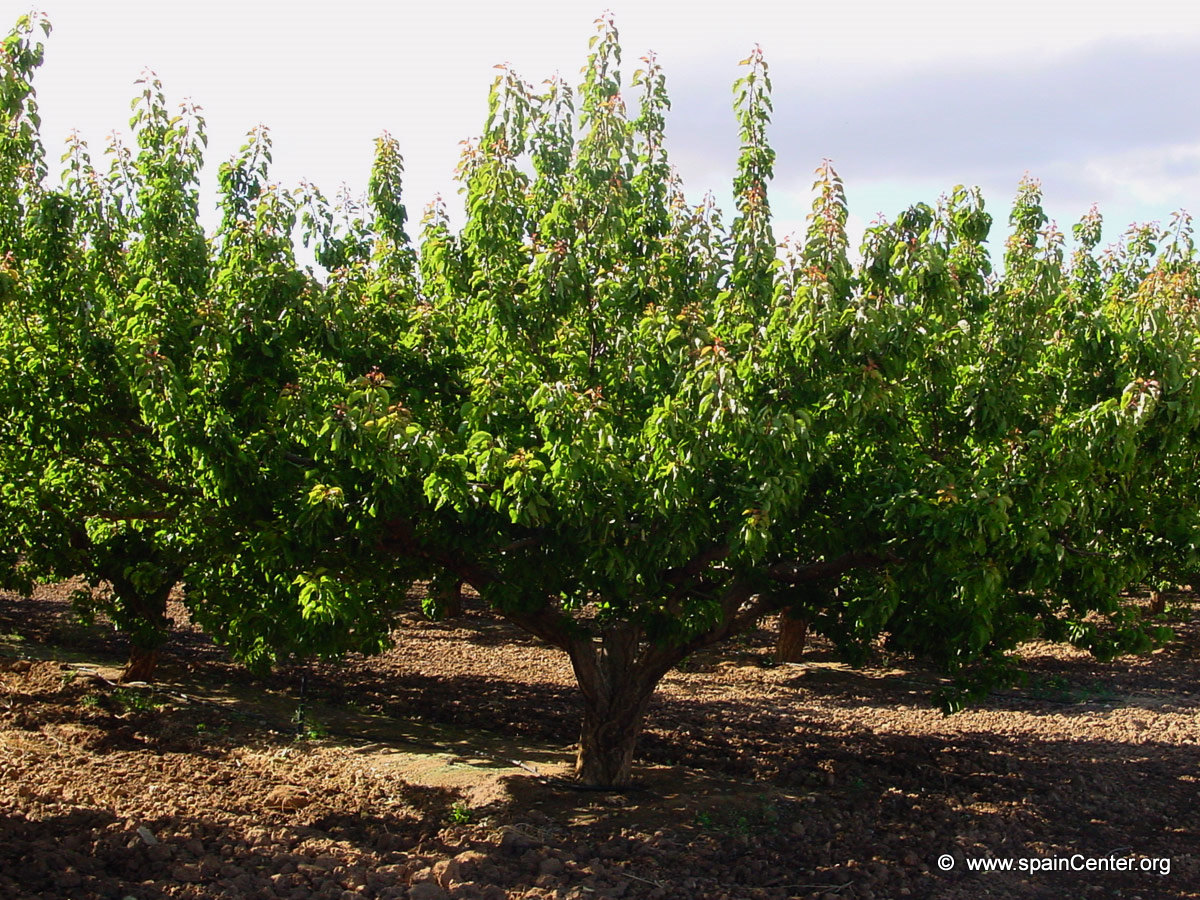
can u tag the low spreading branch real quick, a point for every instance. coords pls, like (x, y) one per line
(798, 573)
(547, 621)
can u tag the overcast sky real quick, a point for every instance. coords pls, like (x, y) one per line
(1098, 100)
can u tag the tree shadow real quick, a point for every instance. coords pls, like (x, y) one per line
(894, 806)
(771, 792)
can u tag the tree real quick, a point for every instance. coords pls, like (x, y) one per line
(668, 430)
(143, 365)
(99, 279)
(298, 572)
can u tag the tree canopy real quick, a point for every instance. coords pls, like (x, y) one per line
(634, 428)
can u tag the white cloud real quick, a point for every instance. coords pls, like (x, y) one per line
(1165, 177)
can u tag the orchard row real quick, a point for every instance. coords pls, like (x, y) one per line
(633, 426)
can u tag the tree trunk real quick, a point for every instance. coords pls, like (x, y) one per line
(143, 616)
(617, 679)
(450, 598)
(607, 741)
(143, 661)
(793, 635)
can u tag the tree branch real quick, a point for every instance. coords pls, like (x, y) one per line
(303, 461)
(743, 604)
(546, 621)
(684, 577)
(682, 574)
(798, 573)
(522, 543)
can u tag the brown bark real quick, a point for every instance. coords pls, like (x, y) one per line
(450, 597)
(793, 635)
(617, 677)
(607, 741)
(141, 666)
(144, 618)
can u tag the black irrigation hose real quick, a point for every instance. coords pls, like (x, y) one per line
(300, 718)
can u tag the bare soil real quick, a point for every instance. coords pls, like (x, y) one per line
(438, 771)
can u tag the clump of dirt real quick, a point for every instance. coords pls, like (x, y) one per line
(435, 771)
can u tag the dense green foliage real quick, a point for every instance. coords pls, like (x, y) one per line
(633, 429)
(144, 366)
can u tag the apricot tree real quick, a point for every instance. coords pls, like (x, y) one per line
(143, 364)
(668, 428)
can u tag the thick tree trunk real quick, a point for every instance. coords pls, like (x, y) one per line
(607, 742)
(450, 598)
(145, 620)
(617, 679)
(793, 635)
(797, 616)
(143, 661)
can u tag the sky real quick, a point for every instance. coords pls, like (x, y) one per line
(1096, 100)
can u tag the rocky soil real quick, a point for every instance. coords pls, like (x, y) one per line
(436, 771)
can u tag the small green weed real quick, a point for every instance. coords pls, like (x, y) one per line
(1059, 689)
(309, 729)
(763, 818)
(768, 815)
(138, 701)
(1048, 687)
(460, 813)
(89, 701)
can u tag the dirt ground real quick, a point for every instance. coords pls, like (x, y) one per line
(436, 771)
